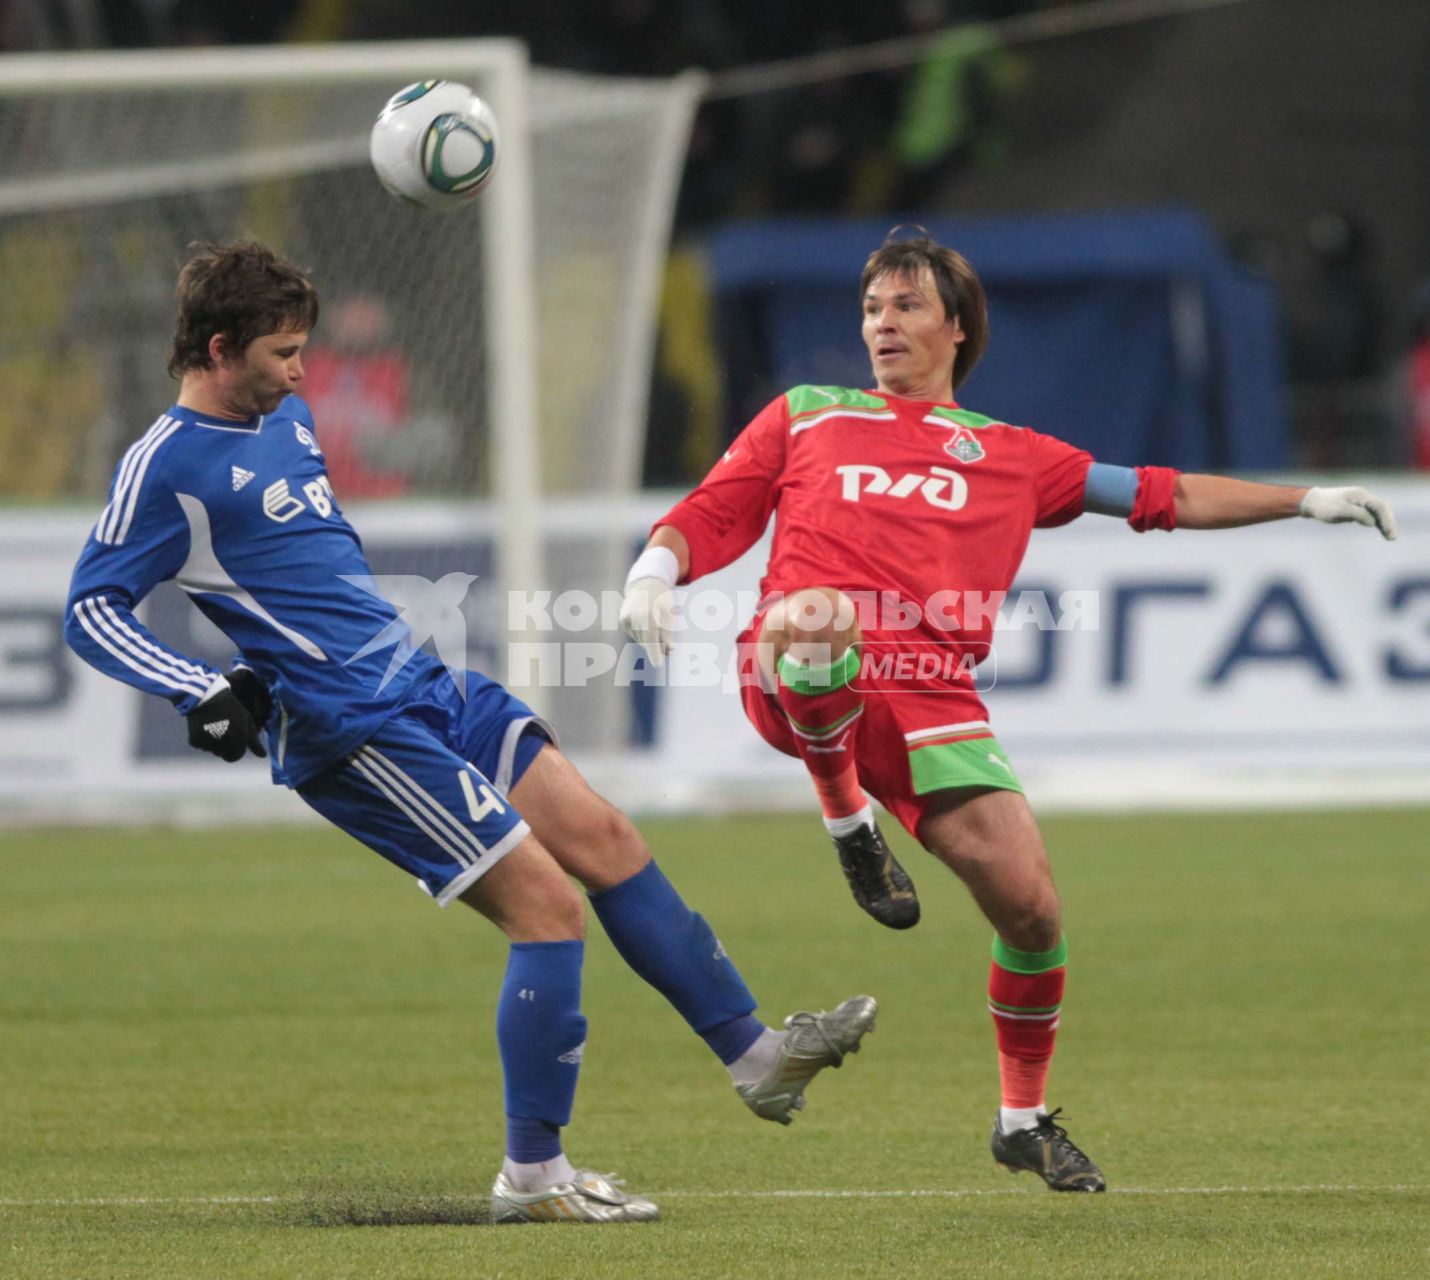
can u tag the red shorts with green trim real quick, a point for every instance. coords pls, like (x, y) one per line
(915, 737)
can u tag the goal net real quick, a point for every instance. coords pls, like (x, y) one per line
(467, 365)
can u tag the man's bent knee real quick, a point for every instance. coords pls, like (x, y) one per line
(813, 624)
(1033, 925)
(529, 898)
(991, 842)
(608, 851)
(587, 835)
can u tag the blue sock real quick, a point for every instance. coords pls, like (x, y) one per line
(674, 950)
(730, 1039)
(540, 1033)
(531, 1141)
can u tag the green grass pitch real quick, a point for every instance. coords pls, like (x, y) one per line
(261, 1053)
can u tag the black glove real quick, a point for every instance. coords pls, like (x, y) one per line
(222, 726)
(253, 693)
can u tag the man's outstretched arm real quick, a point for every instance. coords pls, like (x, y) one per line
(647, 609)
(670, 537)
(1219, 502)
(714, 525)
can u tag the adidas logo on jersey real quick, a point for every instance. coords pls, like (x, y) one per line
(240, 478)
(216, 728)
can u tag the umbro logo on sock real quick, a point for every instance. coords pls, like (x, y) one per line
(216, 728)
(240, 478)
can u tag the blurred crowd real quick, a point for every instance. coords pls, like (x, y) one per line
(615, 37)
(849, 145)
(1357, 357)
(874, 142)
(1357, 341)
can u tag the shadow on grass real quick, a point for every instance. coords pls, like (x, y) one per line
(387, 1209)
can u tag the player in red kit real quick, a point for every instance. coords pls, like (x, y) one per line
(902, 520)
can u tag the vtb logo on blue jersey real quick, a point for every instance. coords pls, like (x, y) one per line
(281, 504)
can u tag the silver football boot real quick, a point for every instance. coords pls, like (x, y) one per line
(589, 1197)
(815, 1041)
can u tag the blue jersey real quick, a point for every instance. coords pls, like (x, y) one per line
(241, 516)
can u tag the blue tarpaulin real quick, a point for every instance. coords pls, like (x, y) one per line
(1132, 334)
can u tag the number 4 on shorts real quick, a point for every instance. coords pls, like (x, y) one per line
(479, 805)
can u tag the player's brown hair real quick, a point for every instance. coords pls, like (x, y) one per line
(957, 282)
(243, 290)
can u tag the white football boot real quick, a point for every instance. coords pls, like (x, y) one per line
(815, 1041)
(588, 1197)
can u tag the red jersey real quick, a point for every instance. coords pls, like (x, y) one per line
(919, 510)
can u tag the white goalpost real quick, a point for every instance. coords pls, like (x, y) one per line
(525, 325)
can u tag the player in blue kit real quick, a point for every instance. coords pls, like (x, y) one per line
(227, 496)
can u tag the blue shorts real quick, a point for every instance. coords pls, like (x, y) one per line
(429, 789)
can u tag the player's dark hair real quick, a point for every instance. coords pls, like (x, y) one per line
(242, 290)
(958, 286)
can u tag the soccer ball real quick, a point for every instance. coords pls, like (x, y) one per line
(435, 144)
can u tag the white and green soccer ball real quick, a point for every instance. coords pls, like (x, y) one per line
(435, 144)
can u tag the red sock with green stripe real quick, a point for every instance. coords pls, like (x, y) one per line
(1025, 993)
(823, 708)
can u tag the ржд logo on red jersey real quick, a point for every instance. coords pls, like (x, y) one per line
(944, 489)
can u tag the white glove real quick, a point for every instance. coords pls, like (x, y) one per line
(648, 609)
(1351, 504)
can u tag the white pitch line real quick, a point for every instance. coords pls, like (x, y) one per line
(100, 1202)
(968, 1193)
(934, 1193)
